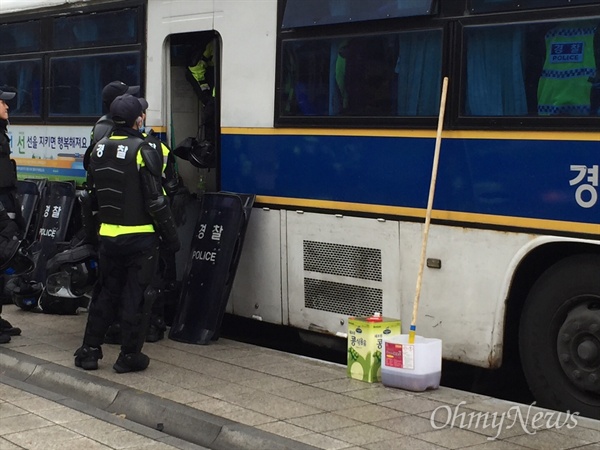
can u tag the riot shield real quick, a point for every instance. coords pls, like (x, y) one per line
(55, 214)
(28, 195)
(185, 230)
(41, 184)
(210, 270)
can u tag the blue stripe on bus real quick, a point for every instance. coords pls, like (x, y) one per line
(521, 178)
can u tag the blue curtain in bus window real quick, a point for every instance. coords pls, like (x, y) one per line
(495, 83)
(305, 13)
(419, 67)
(23, 77)
(90, 80)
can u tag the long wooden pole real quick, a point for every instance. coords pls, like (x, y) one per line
(436, 158)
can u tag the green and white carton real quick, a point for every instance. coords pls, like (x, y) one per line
(365, 343)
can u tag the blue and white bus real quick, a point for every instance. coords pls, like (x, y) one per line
(327, 111)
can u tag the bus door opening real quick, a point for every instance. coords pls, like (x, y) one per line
(195, 118)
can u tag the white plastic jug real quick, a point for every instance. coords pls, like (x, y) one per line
(414, 367)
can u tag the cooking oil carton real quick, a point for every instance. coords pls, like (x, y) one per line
(365, 337)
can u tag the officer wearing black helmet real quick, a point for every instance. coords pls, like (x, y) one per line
(8, 167)
(124, 179)
(166, 276)
(11, 212)
(104, 125)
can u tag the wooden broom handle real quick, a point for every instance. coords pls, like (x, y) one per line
(436, 158)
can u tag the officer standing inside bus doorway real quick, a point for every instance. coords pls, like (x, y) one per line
(124, 176)
(201, 74)
(10, 205)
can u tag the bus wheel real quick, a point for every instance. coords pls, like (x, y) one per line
(559, 336)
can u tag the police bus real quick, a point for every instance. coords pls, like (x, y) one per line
(327, 111)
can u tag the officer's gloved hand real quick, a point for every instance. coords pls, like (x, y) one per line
(171, 243)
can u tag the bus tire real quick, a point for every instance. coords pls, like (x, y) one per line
(559, 336)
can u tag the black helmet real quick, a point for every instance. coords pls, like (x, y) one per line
(75, 280)
(72, 272)
(25, 294)
(201, 154)
(58, 304)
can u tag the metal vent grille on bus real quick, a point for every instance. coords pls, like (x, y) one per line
(344, 261)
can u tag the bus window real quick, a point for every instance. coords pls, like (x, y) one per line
(59, 62)
(530, 69)
(76, 82)
(306, 74)
(486, 6)
(24, 77)
(93, 30)
(20, 37)
(385, 75)
(303, 13)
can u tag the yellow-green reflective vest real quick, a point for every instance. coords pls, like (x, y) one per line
(113, 230)
(563, 87)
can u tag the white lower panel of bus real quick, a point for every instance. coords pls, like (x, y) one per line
(257, 289)
(312, 271)
(341, 266)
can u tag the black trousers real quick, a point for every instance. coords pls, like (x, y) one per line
(11, 204)
(166, 277)
(127, 267)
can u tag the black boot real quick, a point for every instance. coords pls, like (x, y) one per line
(156, 330)
(7, 328)
(4, 338)
(131, 362)
(87, 357)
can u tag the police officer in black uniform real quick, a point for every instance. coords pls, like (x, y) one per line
(104, 127)
(9, 244)
(10, 205)
(167, 274)
(124, 180)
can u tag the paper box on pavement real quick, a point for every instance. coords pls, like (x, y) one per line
(365, 337)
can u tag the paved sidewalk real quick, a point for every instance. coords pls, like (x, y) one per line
(231, 395)
(32, 418)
